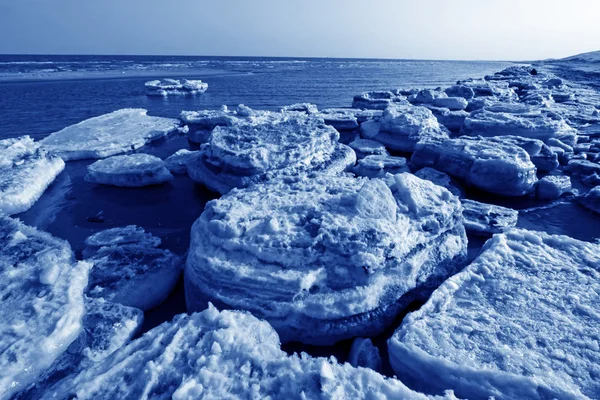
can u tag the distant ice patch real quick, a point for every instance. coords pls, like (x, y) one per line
(165, 87)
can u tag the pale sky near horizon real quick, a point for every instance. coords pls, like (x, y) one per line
(425, 29)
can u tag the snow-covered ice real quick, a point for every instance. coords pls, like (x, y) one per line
(177, 163)
(591, 200)
(367, 147)
(460, 91)
(520, 322)
(377, 100)
(541, 155)
(551, 187)
(451, 103)
(236, 156)
(132, 170)
(441, 179)
(165, 87)
(324, 258)
(42, 304)
(379, 165)
(493, 166)
(342, 120)
(109, 134)
(223, 355)
(26, 170)
(487, 219)
(130, 234)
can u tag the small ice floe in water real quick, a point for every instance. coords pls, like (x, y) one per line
(130, 234)
(136, 275)
(377, 166)
(134, 170)
(591, 200)
(41, 287)
(26, 170)
(226, 354)
(177, 162)
(165, 87)
(364, 354)
(325, 258)
(520, 322)
(252, 152)
(492, 166)
(109, 134)
(487, 219)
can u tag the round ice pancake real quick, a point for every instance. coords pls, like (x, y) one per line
(323, 258)
(133, 170)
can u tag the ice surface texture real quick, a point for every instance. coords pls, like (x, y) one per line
(134, 170)
(223, 355)
(245, 153)
(109, 134)
(493, 166)
(26, 171)
(42, 303)
(324, 258)
(521, 322)
(165, 87)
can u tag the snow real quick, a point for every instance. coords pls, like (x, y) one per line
(591, 200)
(134, 275)
(496, 167)
(224, 355)
(130, 234)
(246, 153)
(42, 303)
(380, 165)
(520, 322)
(134, 170)
(487, 219)
(377, 100)
(109, 134)
(353, 248)
(177, 163)
(165, 87)
(26, 171)
(403, 126)
(551, 187)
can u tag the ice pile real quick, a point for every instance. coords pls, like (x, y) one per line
(134, 170)
(217, 355)
(165, 87)
(26, 170)
(109, 134)
(245, 153)
(42, 305)
(493, 166)
(521, 322)
(324, 258)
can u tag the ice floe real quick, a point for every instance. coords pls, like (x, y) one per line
(377, 100)
(487, 219)
(133, 170)
(441, 179)
(177, 163)
(591, 200)
(324, 258)
(109, 134)
(380, 165)
(520, 322)
(26, 170)
(551, 187)
(165, 87)
(367, 147)
(130, 234)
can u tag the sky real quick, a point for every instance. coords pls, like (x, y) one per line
(415, 29)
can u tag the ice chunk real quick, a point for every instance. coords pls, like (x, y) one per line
(460, 91)
(307, 108)
(227, 354)
(177, 163)
(452, 120)
(403, 126)
(487, 219)
(26, 171)
(441, 179)
(42, 303)
(247, 153)
(496, 167)
(551, 187)
(591, 200)
(427, 96)
(130, 234)
(114, 133)
(370, 129)
(135, 275)
(364, 354)
(380, 165)
(134, 170)
(583, 167)
(377, 100)
(165, 87)
(451, 103)
(366, 147)
(541, 155)
(520, 322)
(342, 120)
(324, 258)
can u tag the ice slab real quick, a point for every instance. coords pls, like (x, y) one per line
(520, 322)
(227, 354)
(109, 134)
(135, 275)
(42, 303)
(177, 163)
(591, 200)
(451, 103)
(165, 87)
(130, 234)
(551, 187)
(26, 170)
(487, 219)
(242, 154)
(441, 179)
(380, 165)
(342, 120)
(377, 100)
(496, 167)
(460, 91)
(324, 258)
(134, 170)
(366, 147)
(364, 354)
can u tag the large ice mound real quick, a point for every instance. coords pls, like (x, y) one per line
(134, 170)
(165, 87)
(223, 355)
(324, 258)
(42, 303)
(521, 322)
(26, 171)
(109, 134)
(245, 153)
